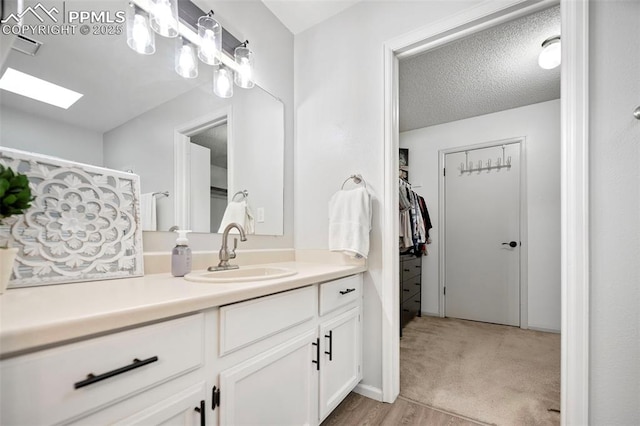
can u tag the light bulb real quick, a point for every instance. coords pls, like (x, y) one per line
(164, 17)
(210, 35)
(208, 47)
(244, 71)
(551, 54)
(186, 63)
(222, 82)
(140, 38)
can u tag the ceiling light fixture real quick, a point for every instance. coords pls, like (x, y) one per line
(550, 56)
(200, 35)
(38, 89)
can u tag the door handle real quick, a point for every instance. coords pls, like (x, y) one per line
(511, 244)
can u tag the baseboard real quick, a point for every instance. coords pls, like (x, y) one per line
(546, 330)
(429, 314)
(369, 391)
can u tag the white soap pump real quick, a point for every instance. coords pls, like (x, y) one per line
(181, 255)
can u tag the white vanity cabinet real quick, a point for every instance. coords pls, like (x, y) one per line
(341, 341)
(302, 364)
(68, 383)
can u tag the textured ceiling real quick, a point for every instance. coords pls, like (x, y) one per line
(490, 71)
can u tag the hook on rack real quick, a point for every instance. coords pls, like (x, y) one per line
(244, 194)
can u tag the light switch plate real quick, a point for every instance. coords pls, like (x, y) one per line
(260, 215)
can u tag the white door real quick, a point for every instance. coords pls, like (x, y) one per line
(200, 188)
(277, 387)
(482, 236)
(340, 355)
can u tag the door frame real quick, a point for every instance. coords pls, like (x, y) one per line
(523, 283)
(574, 174)
(181, 151)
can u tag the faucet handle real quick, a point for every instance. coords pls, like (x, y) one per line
(232, 255)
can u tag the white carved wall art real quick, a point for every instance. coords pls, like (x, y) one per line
(84, 223)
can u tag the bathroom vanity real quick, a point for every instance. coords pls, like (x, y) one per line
(160, 350)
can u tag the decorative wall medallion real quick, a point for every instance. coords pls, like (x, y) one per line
(84, 223)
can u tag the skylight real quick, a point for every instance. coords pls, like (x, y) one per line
(38, 89)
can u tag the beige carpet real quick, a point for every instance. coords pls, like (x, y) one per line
(495, 374)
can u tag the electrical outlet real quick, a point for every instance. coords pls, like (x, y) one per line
(260, 215)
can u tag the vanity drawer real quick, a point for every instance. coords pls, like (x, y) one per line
(411, 267)
(410, 288)
(334, 294)
(244, 323)
(52, 386)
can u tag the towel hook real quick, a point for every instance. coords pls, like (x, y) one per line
(357, 179)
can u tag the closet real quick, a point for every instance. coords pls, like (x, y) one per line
(414, 226)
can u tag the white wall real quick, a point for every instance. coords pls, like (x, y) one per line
(540, 125)
(615, 212)
(28, 132)
(339, 129)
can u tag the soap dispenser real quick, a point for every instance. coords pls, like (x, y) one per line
(181, 255)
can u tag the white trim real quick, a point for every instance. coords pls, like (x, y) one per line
(182, 151)
(523, 282)
(369, 392)
(574, 388)
(575, 247)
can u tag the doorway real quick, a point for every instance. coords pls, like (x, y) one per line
(482, 203)
(574, 160)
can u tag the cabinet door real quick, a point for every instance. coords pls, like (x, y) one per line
(278, 387)
(341, 359)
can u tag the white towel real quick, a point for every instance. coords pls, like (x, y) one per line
(148, 212)
(240, 213)
(350, 222)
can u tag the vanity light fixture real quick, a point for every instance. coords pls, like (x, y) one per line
(244, 71)
(210, 37)
(164, 17)
(35, 88)
(186, 61)
(200, 35)
(140, 38)
(550, 56)
(222, 81)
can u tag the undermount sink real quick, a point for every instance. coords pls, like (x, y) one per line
(242, 274)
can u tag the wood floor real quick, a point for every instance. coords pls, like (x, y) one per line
(356, 410)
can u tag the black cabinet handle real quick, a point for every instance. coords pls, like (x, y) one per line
(406, 310)
(349, 290)
(317, 361)
(330, 337)
(201, 410)
(407, 270)
(91, 378)
(511, 244)
(406, 289)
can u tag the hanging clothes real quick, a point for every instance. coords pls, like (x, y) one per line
(415, 221)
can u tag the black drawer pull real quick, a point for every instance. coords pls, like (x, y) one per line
(201, 410)
(91, 378)
(417, 266)
(406, 310)
(330, 337)
(406, 289)
(349, 290)
(407, 270)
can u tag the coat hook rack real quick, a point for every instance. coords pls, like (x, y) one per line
(501, 163)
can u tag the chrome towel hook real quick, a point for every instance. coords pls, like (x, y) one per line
(636, 113)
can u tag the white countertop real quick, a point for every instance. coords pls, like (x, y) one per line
(37, 317)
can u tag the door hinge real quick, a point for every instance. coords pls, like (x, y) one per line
(215, 398)
(444, 172)
(445, 291)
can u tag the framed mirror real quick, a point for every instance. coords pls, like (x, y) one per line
(192, 149)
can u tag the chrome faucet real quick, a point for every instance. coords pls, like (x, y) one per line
(224, 253)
